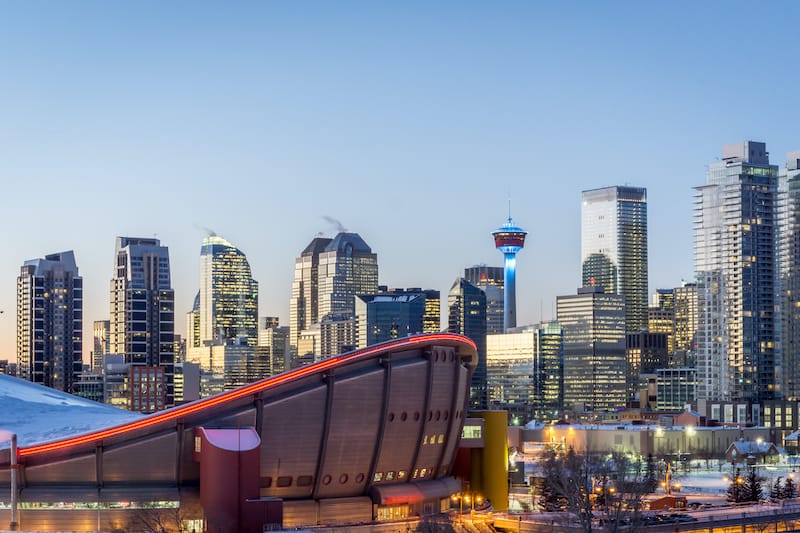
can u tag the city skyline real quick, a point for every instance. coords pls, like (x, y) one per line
(402, 103)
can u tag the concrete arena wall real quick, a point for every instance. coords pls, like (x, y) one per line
(330, 430)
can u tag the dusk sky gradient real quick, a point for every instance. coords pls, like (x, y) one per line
(411, 122)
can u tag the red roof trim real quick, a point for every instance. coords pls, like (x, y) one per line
(242, 392)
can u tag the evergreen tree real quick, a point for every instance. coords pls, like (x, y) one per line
(789, 488)
(751, 489)
(776, 489)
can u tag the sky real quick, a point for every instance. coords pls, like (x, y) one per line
(412, 123)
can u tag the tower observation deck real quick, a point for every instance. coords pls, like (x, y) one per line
(509, 239)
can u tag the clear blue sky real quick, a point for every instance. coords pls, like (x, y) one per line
(412, 123)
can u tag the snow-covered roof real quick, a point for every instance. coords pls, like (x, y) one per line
(40, 414)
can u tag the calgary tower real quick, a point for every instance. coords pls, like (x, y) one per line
(509, 239)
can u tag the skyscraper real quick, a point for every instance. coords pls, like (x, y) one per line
(304, 303)
(509, 239)
(789, 191)
(491, 281)
(223, 329)
(394, 313)
(524, 372)
(735, 263)
(228, 294)
(593, 325)
(328, 275)
(49, 321)
(614, 247)
(142, 324)
(467, 316)
(102, 336)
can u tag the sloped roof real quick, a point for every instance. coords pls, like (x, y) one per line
(342, 239)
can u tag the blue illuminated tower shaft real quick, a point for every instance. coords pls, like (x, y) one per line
(510, 291)
(509, 239)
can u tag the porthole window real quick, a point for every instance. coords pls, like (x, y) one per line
(446, 415)
(430, 416)
(404, 416)
(343, 479)
(326, 479)
(391, 417)
(360, 478)
(416, 416)
(438, 415)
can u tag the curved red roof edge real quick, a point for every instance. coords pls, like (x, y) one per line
(252, 388)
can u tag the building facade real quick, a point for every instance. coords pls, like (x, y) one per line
(394, 313)
(614, 247)
(142, 323)
(789, 194)
(328, 275)
(524, 372)
(595, 363)
(371, 436)
(466, 305)
(228, 294)
(491, 281)
(735, 263)
(102, 343)
(50, 321)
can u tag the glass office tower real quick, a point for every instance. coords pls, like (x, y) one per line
(228, 294)
(467, 316)
(614, 247)
(595, 364)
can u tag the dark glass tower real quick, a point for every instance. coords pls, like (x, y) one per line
(614, 247)
(467, 316)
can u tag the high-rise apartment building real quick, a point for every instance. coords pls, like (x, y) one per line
(393, 313)
(735, 261)
(467, 316)
(491, 281)
(789, 191)
(593, 325)
(50, 321)
(142, 324)
(614, 247)
(328, 275)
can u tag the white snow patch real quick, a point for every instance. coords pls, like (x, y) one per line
(40, 414)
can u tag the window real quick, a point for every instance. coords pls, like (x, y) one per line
(285, 481)
(378, 477)
(304, 481)
(197, 444)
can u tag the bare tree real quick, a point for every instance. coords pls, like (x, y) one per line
(602, 492)
(147, 518)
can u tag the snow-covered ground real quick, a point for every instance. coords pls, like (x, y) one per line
(39, 414)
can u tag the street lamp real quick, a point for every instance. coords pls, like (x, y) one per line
(12, 452)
